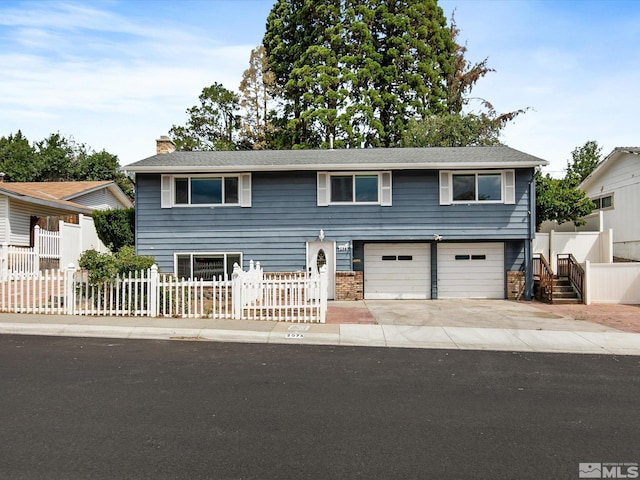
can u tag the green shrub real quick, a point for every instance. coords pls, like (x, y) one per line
(106, 266)
(116, 228)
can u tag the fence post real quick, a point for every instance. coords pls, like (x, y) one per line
(236, 292)
(586, 294)
(4, 260)
(36, 249)
(324, 287)
(70, 293)
(153, 291)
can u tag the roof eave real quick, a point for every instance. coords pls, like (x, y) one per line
(334, 167)
(48, 203)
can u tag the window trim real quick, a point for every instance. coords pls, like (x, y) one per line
(168, 190)
(507, 187)
(600, 198)
(203, 254)
(384, 180)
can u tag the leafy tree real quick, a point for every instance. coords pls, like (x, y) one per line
(212, 125)
(116, 227)
(557, 199)
(452, 130)
(255, 98)
(583, 161)
(18, 159)
(57, 158)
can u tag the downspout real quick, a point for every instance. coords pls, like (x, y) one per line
(528, 245)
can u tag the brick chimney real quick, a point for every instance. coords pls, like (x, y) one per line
(165, 145)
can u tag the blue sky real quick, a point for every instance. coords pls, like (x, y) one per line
(116, 75)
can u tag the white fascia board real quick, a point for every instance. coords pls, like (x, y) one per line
(48, 203)
(332, 167)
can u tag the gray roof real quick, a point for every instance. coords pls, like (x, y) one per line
(344, 159)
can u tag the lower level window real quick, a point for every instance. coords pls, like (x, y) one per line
(206, 266)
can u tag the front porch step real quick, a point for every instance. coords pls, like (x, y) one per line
(564, 292)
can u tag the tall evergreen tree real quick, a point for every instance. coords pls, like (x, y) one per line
(364, 67)
(212, 125)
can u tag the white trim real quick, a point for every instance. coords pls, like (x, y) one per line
(445, 187)
(323, 189)
(509, 187)
(386, 189)
(333, 167)
(166, 191)
(244, 190)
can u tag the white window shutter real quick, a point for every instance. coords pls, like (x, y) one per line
(385, 189)
(245, 190)
(323, 189)
(509, 177)
(165, 191)
(445, 188)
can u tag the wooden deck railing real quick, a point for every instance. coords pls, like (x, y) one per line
(569, 267)
(542, 271)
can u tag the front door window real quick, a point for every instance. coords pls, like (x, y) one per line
(321, 260)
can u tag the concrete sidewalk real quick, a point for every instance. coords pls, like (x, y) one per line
(440, 324)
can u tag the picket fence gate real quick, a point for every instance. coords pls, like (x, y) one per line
(250, 295)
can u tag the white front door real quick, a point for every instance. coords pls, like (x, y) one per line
(323, 253)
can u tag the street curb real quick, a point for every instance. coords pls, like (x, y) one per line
(390, 336)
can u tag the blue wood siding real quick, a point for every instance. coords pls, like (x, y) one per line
(284, 216)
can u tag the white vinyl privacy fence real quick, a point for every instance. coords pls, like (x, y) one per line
(612, 283)
(300, 297)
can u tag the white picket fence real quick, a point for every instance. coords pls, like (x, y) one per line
(248, 295)
(63, 247)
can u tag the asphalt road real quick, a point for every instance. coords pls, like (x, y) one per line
(112, 409)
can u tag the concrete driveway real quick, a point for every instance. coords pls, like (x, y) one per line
(458, 313)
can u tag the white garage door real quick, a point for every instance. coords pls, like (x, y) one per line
(471, 270)
(397, 271)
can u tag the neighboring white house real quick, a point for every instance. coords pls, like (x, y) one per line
(22, 204)
(614, 186)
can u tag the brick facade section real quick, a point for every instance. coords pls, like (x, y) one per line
(349, 286)
(515, 285)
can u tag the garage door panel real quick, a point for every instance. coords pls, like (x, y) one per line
(460, 275)
(397, 271)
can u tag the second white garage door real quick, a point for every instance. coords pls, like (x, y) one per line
(397, 271)
(471, 270)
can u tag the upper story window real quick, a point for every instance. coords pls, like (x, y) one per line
(342, 188)
(205, 190)
(604, 202)
(477, 187)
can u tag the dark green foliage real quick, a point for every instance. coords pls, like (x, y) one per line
(557, 199)
(358, 70)
(116, 228)
(584, 160)
(57, 158)
(18, 159)
(452, 130)
(103, 267)
(212, 125)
